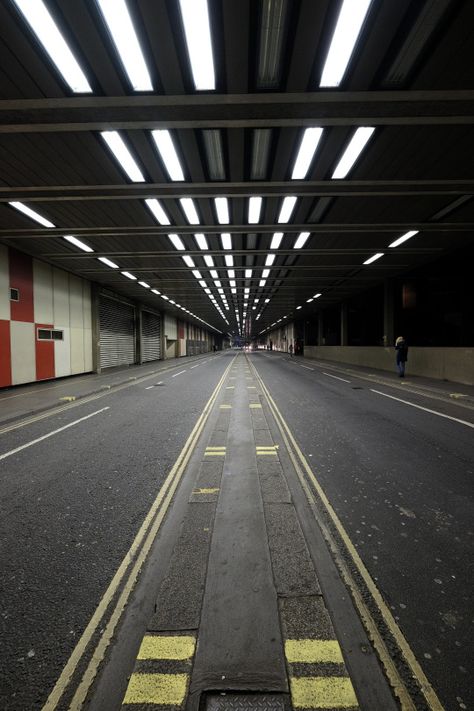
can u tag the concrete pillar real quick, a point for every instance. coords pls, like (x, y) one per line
(388, 313)
(320, 329)
(344, 325)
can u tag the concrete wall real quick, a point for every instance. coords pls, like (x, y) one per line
(454, 364)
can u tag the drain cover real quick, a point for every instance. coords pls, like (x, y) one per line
(247, 702)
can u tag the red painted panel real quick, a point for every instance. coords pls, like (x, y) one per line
(5, 355)
(21, 278)
(44, 355)
(180, 329)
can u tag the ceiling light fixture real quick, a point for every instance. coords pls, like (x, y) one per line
(144, 284)
(78, 243)
(197, 31)
(260, 153)
(214, 274)
(208, 260)
(176, 241)
(129, 276)
(201, 241)
(348, 27)
(196, 273)
(167, 151)
(374, 258)
(189, 210)
(155, 291)
(262, 282)
(215, 154)
(265, 273)
(120, 25)
(46, 30)
(155, 208)
(276, 240)
(306, 152)
(255, 206)
(222, 210)
(316, 296)
(108, 262)
(301, 240)
(226, 240)
(231, 273)
(269, 260)
(188, 261)
(287, 208)
(353, 151)
(229, 260)
(116, 144)
(298, 308)
(31, 213)
(404, 238)
(248, 273)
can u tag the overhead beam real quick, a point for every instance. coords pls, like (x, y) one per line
(332, 108)
(314, 228)
(303, 188)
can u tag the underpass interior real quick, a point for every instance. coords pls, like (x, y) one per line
(220, 486)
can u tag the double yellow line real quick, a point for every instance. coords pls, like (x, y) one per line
(126, 575)
(302, 468)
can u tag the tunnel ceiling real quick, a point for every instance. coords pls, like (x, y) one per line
(409, 78)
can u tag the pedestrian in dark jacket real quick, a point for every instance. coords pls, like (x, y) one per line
(401, 349)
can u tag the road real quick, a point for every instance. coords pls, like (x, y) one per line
(76, 487)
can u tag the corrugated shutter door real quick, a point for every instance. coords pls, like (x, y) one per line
(117, 333)
(151, 336)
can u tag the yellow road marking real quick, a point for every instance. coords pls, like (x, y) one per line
(214, 454)
(389, 665)
(230, 387)
(313, 651)
(162, 689)
(215, 449)
(265, 453)
(251, 387)
(253, 406)
(261, 447)
(67, 398)
(205, 491)
(146, 535)
(225, 407)
(158, 647)
(327, 692)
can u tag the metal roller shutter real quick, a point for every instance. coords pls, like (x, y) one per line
(117, 333)
(151, 336)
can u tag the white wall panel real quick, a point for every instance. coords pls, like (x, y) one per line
(171, 330)
(43, 292)
(62, 353)
(77, 350)
(4, 284)
(61, 298)
(87, 350)
(76, 313)
(22, 337)
(87, 304)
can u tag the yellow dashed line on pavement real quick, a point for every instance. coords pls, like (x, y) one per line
(329, 692)
(251, 387)
(153, 647)
(161, 689)
(215, 449)
(254, 406)
(214, 452)
(205, 491)
(230, 387)
(225, 407)
(67, 398)
(313, 651)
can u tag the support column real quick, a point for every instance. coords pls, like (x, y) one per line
(388, 313)
(344, 325)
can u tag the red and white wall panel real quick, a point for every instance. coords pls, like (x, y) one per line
(49, 298)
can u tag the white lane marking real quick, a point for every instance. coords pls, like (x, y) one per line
(160, 383)
(149, 387)
(305, 366)
(180, 373)
(197, 365)
(50, 434)
(336, 377)
(426, 409)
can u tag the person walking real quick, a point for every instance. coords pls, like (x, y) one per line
(290, 349)
(401, 349)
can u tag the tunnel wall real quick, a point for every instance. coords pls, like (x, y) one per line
(454, 364)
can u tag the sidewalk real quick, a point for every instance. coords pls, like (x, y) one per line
(24, 400)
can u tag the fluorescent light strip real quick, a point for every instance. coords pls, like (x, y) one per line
(214, 274)
(229, 260)
(276, 240)
(188, 261)
(262, 282)
(301, 240)
(129, 276)
(269, 260)
(404, 238)
(201, 241)
(265, 273)
(197, 274)
(46, 30)
(155, 208)
(78, 243)
(123, 155)
(108, 262)
(231, 273)
(287, 208)
(222, 210)
(306, 152)
(226, 240)
(374, 258)
(348, 27)
(353, 151)
(208, 260)
(255, 207)
(119, 23)
(31, 213)
(248, 273)
(176, 241)
(316, 296)
(144, 284)
(197, 30)
(167, 151)
(155, 291)
(189, 210)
